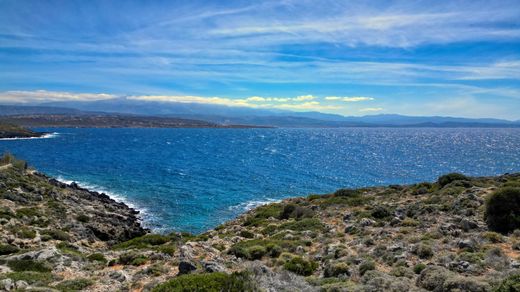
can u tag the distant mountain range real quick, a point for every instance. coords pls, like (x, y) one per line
(225, 115)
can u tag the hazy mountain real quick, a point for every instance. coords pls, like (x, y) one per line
(246, 116)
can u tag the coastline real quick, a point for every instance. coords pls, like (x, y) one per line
(402, 237)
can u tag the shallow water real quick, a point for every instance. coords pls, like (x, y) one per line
(194, 179)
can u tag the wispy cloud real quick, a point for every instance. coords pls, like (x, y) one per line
(267, 53)
(371, 109)
(349, 98)
(46, 96)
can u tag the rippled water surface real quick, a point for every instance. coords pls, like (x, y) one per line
(194, 179)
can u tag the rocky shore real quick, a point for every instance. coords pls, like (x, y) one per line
(421, 237)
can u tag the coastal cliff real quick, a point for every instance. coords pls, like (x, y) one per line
(421, 237)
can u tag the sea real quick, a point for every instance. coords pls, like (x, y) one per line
(195, 179)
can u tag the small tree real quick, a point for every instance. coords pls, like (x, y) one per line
(450, 177)
(503, 210)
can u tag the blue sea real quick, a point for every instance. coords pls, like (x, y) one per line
(194, 179)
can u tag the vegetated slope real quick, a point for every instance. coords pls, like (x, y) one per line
(13, 131)
(107, 121)
(427, 236)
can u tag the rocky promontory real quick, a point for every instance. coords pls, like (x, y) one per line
(10, 131)
(456, 234)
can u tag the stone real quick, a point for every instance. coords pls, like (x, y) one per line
(22, 285)
(366, 222)
(7, 284)
(186, 267)
(213, 267)
(118, 276)
(468, 244)
(468, 225)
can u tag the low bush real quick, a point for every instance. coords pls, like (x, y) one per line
(247, 234)
(132, 259)
(74, 284)
(366, 266)
(424, 251)
(32, 278)
(28, 265)
(509, 284)
(26, 232)
(336, 269)
(380, 212)
(312, 224)
(57, 234)
(6, 249)
(296, 212)
(97, 257)
(449, 178)
(418, 268)
(143, 241)
(83, 218)
(214, 282)
(168, 249)
(301, 266)
(503, 210)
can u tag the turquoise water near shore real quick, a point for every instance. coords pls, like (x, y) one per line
(195, 179)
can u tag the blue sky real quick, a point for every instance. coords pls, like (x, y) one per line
(456, 58)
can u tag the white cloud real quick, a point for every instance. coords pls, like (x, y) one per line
(45, 96)
(349, 98)
(371, 109)
(303, 102)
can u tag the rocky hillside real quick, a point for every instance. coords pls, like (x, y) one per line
(422, 237)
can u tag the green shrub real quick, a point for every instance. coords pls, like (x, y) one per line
(28, 265)
(32, 278)
(83, 218)
(312, 224)
(247, 234)
(132, 259)
(214, 282)
(57, 234)
(68, 248)
(168, 249)
(380, 212)
(419, 268)
(97, 257)
(74, 284)
(143, 241)
(262, 213)
(424, 251)
(336, 269)
(241, 249)
(26, 232)
(16, 163)
(296, 212)
(493, 237)
(503, 210)
(301, 266)
(366, 266)
(346, 193)
(6, 249)
(509, 284)
(450, 177)
(28, 212)
(256, 252)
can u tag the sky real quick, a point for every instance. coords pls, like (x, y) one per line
(449, 58)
